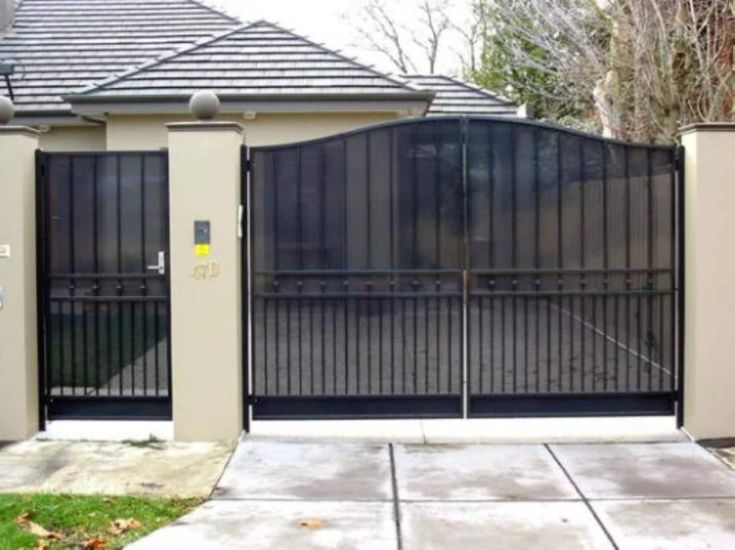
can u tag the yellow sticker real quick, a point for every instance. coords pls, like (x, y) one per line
(201, 250)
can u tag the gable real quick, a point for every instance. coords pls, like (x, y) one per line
(256, 60)
(61, 46)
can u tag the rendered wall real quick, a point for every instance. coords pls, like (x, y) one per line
(74, 138)
(18, 334)
(709, 380)
(149, 132)
(206, 289)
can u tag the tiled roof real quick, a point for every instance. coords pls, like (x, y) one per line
(256, 60)
(61, 46)
(455, 97)
(171, 48)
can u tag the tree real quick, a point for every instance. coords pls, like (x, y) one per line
(636, 69)
(411, 43)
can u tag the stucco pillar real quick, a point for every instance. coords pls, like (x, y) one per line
(206, 294)
(709, 379)
(18, 330)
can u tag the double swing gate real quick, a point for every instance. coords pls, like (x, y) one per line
(448, 267)
(103, 285)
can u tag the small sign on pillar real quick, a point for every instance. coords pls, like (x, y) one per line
(202, 238)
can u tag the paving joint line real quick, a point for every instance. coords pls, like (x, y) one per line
(583, 497)
(396, 499)
(211, 495)
(322, 500)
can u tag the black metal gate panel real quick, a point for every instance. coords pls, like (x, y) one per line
(572, 273)
(462, 266)
(357, 280)
(103, 285)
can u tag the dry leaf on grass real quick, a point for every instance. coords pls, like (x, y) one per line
(311, 523)
(95, 543)
(23, 518)
(35, 529)
(120, 526)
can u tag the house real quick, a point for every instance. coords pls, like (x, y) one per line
(449, 266)
(96, 75)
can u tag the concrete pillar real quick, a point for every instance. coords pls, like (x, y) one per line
(206, 293)
(709, 380)
(18, 330)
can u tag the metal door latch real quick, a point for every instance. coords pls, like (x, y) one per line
(160, 267)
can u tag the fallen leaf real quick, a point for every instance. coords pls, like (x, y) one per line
(311, 523)
(119, 526)
(94, 543)
(23, 518)
(42, 532)
(42, 544)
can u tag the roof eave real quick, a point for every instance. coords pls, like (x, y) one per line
(92, 105)
(49, 117)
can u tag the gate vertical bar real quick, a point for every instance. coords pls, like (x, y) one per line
(464, 138)
(41, 288)
(679, 287)
(248, 323)
(167, 244)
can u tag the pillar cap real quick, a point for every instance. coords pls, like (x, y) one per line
(204, 127)
(204, 105)
(707, 127)
(7, 110)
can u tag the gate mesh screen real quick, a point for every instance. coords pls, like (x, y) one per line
(104, 221)
(358, 250)
(534, 262)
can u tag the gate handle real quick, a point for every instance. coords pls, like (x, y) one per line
(160, 267)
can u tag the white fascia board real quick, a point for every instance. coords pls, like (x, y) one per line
(101, 109)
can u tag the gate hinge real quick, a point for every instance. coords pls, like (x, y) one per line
(248, 165)
(252, 400)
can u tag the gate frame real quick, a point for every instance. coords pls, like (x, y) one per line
(608, 403)
(96, 407)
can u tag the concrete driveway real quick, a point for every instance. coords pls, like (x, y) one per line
(372, 496)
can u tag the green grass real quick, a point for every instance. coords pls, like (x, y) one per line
(81, 518)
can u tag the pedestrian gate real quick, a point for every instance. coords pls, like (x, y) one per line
(103, 285)
(444, 267)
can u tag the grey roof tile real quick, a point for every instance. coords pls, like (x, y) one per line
(256, 59)
(455, 97)
(60, 46)
(139, 48)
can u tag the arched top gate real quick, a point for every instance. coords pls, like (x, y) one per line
(464, 265)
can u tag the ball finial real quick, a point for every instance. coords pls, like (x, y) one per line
(204, 105)
(7, 110)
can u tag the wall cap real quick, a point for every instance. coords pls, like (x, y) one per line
(19, 130)
(707, 127)
(206, 126)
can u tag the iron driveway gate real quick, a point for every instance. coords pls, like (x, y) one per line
(456, 266)
(103, 285)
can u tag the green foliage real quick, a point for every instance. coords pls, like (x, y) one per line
(532, 82)
(82, 518)
(635, 70)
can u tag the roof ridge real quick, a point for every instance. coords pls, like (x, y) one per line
(461, 82)
(477, 88)
(218, 11)
(97, 86)
(339, 54)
